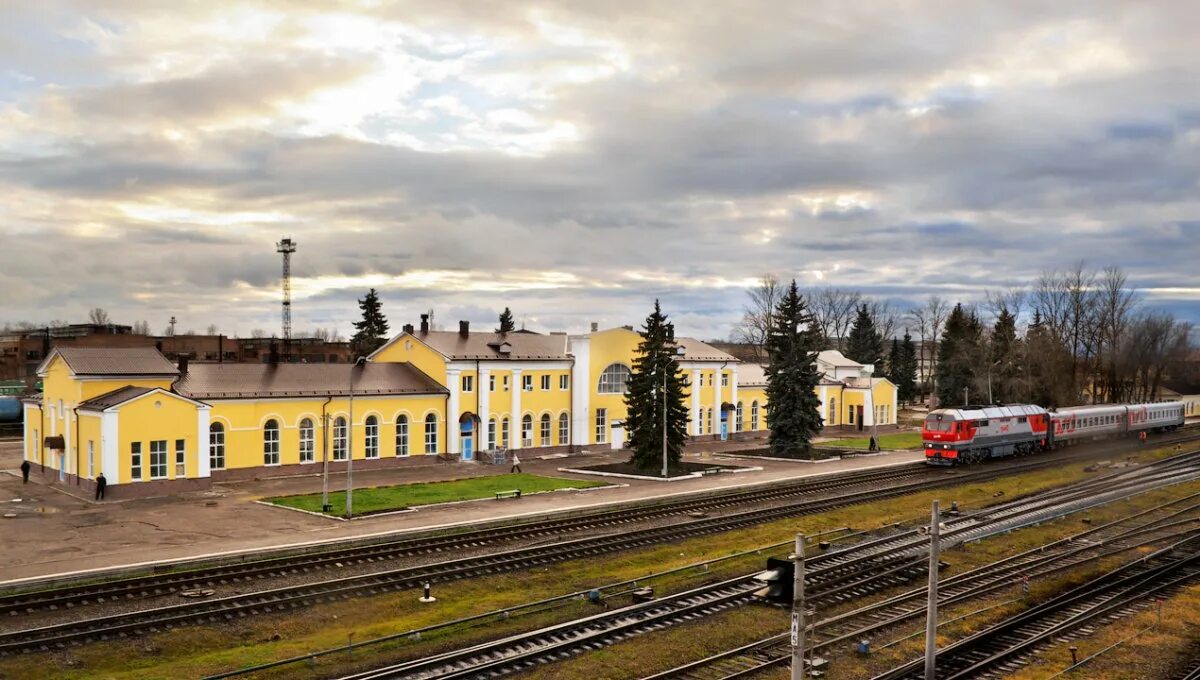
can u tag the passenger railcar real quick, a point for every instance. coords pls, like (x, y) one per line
(974, 433)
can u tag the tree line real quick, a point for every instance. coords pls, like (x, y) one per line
(1073, 336)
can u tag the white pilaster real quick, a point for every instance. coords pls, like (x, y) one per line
(581, 391)
(485, 404)
(514, 423)
(453, 415)
(733, 398)
(203, 418)
(696, 422)
(109, 463)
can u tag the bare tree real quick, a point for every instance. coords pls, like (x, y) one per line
(929, 320)
(98, 316)
(212, 329)
(1011, 300)
(1115, 304)
(141, 327)
(885, 318)
(258, 333)
(833, 311)
(756, 315)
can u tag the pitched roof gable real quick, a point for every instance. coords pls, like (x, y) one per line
(111, 361)
(240, 381)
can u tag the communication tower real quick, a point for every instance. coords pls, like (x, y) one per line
(286, 247)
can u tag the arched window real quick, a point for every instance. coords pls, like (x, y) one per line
(737, 418)
(431, 433)
(545, 429)
(833, 411)
(504, 432)
(307, 448)
(491, 434)
(614, 379)
(216, 446)
(371, 425)
(339, 438)
(526, 431)
(564, 429)
(710, 421)
(401, 435)
(754, 415)
(271, 442)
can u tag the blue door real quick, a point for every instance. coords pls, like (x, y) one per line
(724, 425)
(468, 441)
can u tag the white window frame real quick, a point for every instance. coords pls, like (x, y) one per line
(527, 383)
(754, 415)
(724, 380)
(526, 431)
(506, 383)
(612, 381)
(91, 458)
(431, 434)
(271, 443)
(491, 434)
(468, 383)
(546, 429)
(491, 383)
(504, 430)
(737, 418)
(158, 459)
(180, 458)
(371, 438)
(340, 440)
(308, 441)
(401, 436)
(135, 461)
(601, 426)
(216, 446)
(546, 383)
(564, 429)
(564, 382)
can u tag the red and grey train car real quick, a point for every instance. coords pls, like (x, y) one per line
(974, 433)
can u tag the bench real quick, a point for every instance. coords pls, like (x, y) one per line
(710, 471)
(511, 493)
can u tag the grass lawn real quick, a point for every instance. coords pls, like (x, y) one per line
(383, 498)
(899, 440)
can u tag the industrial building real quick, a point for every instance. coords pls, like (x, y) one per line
(153, 426)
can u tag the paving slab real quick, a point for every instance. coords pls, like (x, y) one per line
(54, 533)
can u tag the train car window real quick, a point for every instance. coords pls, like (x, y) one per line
(982, 423)
(1022, 419)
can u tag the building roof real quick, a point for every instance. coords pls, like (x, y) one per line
(1182, 387)
(521, 346)
(112, 361)
(750, 375)
(117, 396)
(837, 359)
(240, 381)
(694, 350)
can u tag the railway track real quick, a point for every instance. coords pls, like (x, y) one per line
(1005, 647)
(288, 598)
(834, 576)
(1105, 541)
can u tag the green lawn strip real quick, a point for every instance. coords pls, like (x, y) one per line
(195, 651)
(899, 440)
(399, 497)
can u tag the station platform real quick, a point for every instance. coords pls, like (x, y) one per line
(50, 533)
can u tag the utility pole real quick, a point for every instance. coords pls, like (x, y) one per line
(931, 612)
(664, 423)
(798, 611)
(350, 443)
(325, 461)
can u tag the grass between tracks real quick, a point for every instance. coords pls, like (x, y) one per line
(898, 440)
(201, 650)
(401, 496)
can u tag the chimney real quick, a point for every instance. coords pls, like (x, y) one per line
(424, 323)
(408, 328)
(183, 365)
(464, 328)
(595, 326)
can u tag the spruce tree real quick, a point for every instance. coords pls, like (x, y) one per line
(865, 344)
(906, 379)
(1005, 362)
(506, 322)
(956, 357)
(372, 331)
(654, 368)
(793, 408)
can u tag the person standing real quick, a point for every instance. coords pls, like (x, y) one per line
(101, 483)
(516, 465)
(25, 471)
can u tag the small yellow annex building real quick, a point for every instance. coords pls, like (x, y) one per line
(151, 426)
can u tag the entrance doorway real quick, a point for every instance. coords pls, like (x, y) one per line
(467, 432)
(859, 421)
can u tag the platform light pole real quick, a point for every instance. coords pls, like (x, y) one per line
(798, 610)
(931, 610)
(350, 443)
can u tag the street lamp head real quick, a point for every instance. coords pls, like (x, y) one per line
(361, 361)
(680, 351)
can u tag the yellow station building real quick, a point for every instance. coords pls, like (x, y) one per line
(151, 426)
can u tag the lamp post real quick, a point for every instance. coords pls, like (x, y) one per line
(679, 351)
(350, 443)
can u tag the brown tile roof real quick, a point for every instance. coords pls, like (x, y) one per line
(117, 396)
(486, 346)
(694, 350)
(239, 381)
(115, 361)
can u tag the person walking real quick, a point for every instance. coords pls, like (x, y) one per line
(101, 483)
(25, 471)
(1142, 437)
(516, 465)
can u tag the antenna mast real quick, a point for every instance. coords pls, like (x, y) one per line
(286, 247)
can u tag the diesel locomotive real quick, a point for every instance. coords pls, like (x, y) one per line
(956, 436)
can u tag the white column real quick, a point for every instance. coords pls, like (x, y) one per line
(581, 390)
(203, 418)
(109, 463)
(733, 398)
(452, 416)
(514, 422)
(485, 402)
(696, 423)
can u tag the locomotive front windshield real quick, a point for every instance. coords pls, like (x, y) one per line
(938, 424)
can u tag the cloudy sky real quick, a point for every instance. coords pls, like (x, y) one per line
(576, 159)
